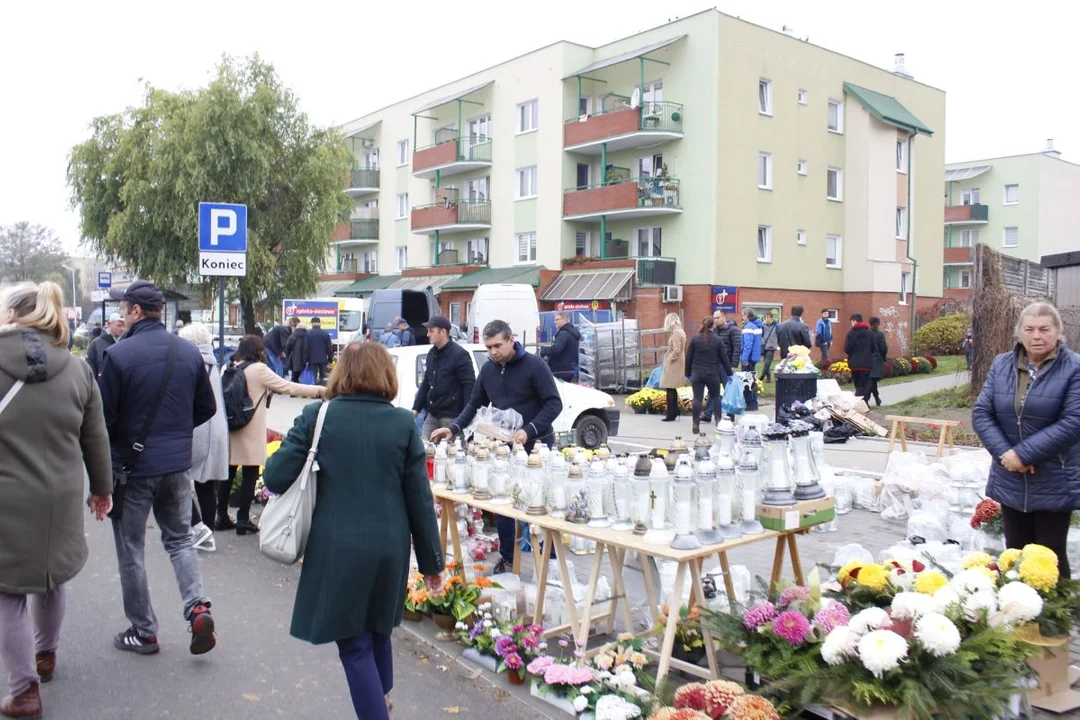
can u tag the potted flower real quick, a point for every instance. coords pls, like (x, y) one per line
(454, 603)
(517, 645)
(417, 598)
(717, 699)
(566, 685)
(480, 638)
(689, 644)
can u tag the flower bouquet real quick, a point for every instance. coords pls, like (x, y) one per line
(714, 700)
(564, 684)
(689, 644)
(987, 518)
(515, 646)
(455, 602)
(480, 637)
(797, 361)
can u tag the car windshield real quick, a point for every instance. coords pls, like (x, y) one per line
(349, 320)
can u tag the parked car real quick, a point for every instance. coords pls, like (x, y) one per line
(590, 414)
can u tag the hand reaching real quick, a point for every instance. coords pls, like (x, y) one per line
(101, 506)
(434, 583)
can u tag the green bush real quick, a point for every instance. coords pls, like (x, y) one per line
(942, 336)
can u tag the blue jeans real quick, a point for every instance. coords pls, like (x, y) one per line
(507, 528)
(275, 364)
(369, 667)
(714, 401)
(169, 496)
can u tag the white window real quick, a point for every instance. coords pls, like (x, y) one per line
(401, 258)
(834, 184)
(371, 262)
(476, 190)
(764, 96)
(764, 244)
(969, 238)
(371, 159)
(480, 130)
(834, 248)
(901, 223)
(586, 244)
(402, 152)
(901, 156)
(971, 196)
(800, 237)
(1011, 237)
(585, 106)
(402, 206)
(528, 116)
(649, 243)
(836, 116)
(905, 287)
(526, 183)
(650, 165)
(455, 314)
(965, 279)
(804, 97)
(653, 92)
(764, 173)
(802, 167)
(476, 251)
(834, 315)
(1012, 194)
(526, 247)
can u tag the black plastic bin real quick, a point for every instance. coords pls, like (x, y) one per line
(794, 387)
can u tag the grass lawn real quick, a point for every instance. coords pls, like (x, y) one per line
(947, 364)
(949, 404)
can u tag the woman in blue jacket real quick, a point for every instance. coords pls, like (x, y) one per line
(1028, 417)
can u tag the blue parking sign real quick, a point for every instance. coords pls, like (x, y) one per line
(222, 227)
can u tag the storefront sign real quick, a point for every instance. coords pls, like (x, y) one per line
(325, 310)
(726, 298)
(583, 305)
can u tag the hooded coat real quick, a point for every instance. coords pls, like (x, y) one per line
(859, 346)
(210, 441)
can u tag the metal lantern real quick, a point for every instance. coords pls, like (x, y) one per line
(624, 499)
(748, 474)
(459, 469)
(777, 475)
(597, 490)
(807, 474)
(440, 464)
(642, 494)
(559, 471)
(705, 476)
(684, 491)
(500, 476)
(577, 508)
(725, 500)
(534, 485)
(481, 489)
(660, 531)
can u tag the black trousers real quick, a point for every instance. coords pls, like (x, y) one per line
(713, 386)
(204, 504)
(871, 390)
(320, 373)
(862, 380)
(766, 368)
(672, 403)
(249, 475)
(1050, 529)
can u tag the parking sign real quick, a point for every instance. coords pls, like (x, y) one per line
(222, 227)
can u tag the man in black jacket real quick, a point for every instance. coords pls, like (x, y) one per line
(513, 379)
(275, 341)
(114, 330)
(151, 456)
(449, 378)
(793, 331)
(562, 356)
(859, 346)
(320, 350)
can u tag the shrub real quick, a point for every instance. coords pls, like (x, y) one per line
(890, 369)
(932, 360)
(942, 336)
(924, 366)
(901, 365)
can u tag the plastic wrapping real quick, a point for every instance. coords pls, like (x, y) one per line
(926, 527)
(851, 552)
(494, 423)
(865, 491)
(609, 354)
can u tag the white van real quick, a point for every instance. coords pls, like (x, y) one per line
(513, 302)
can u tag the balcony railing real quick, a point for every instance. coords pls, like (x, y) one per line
(348, 265)
(364, 230)
(469, 213)
(655, 271)
(364, 177)
(466, 150)
(621, 194)
(967, 213)
(616, 118)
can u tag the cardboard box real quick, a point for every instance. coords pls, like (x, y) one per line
(800, 515)
(1056, 677)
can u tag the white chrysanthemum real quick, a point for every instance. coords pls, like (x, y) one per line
(980, 604)
(869, 619)
(944, 598)
(495, 633)
(911, 605)
(971, 581)
(937, 634)
(840, 644)
(1019, 603)
(881, 651)
(905, 580)
(580, 703)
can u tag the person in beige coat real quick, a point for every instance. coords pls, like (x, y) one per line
(247, 446)
(674, 375)
(51, 427)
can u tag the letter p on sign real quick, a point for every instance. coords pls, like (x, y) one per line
(222, 228)
(218, 227)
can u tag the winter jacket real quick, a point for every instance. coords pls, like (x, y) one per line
(296, 351)
(390, 339)
(1044, 431)
(562, 356)
(275, 340)
(792, 331)
(449, 377)
(319, 346)
(706, 357)
(210, 441)
(372, 498)
(731, 336)
(822, 333)
(407, 337)
(859, 346)
(131, 375)
(880, 349)
(751, 341)
(247, 446)
(674, 374)
(50, 432)
(524, 384)
(769, 337)
(96, 351)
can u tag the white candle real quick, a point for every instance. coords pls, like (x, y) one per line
(480, 477)
(620, 508)
(682, 518)
(723, 509)
(559, 496)
(440, 473)
(705, 518)
(642, 512)
(749, 504)
(659, 513)
(596, 503)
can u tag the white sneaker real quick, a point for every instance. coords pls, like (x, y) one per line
(203, 538)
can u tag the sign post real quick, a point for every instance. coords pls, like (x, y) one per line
(104, 282)
(222, 251)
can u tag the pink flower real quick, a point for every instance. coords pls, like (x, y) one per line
(530, 642)
(513, 661)
(557, 674)
(505, 646)
(792, 595)
(792, 626)
(536, 629)
(540, 664)
(758, 615)
(564, 643)
(832, 617)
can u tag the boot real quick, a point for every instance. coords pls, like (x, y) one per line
(697, 427)
(27, 705)
(46, 665)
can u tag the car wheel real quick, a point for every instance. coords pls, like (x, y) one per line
(591, 432)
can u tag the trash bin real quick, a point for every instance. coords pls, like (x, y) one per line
(792, 387)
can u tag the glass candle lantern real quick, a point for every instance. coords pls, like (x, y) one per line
(429, 460)
(597, 490)
(702, 448)
(660, 530)
(558, 473)
(581, 459)
(624, 499)
(748, 474)
(440, 464)
(777, 476)
(705, 476)
(470, 460)
(642, 494)
(577, 508)
(459, 468)
(500, 476)
(723, 441)
(684, 492)
(807, 475)
(517, 477)
(603, 452)
(534, 485)
(481, 489)
(725, 503)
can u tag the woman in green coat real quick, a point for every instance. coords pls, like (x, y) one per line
(880, 348)
(373, 496)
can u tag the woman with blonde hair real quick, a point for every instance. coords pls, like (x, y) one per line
(51, 427)
(674, 375)
(372, 498)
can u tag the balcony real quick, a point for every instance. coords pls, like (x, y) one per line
(623, 197)
(452, 156)
(451, 216)
(623, 127)
(363, 230)
(647, 270)
(348, 265)
(967, 214)
(363, 181)
(959, 256)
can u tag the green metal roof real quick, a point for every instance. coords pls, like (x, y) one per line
(887, 109)
(528, 275)
(368, 285)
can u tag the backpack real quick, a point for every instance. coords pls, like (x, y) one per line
(238, 406)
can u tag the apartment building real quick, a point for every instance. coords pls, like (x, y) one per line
(706, 162)
(1022, 205)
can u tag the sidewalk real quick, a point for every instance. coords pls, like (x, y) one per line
(891, 394)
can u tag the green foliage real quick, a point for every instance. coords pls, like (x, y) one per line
(1061, 609)
(942, 336)
(32, 253)
(138, 179)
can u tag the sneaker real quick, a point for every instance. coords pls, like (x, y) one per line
(200, 535)
(500, 567)
(207, 545)
(131, 641)
(202, 630)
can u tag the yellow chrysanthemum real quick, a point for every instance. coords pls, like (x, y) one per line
(873, 576)
(1007, 559)
(844, 576)
(976, 560)
(930, 582)
(1039, 551)
(1039, 572)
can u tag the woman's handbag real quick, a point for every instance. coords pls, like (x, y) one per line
(286, 522)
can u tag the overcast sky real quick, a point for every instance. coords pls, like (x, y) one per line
(1009, 68)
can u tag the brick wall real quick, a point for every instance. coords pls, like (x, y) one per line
(597, 127)
(435, 156)
(610, 197)
(434, 216)
(341, 232)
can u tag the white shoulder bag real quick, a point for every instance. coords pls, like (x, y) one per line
(286, 523)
